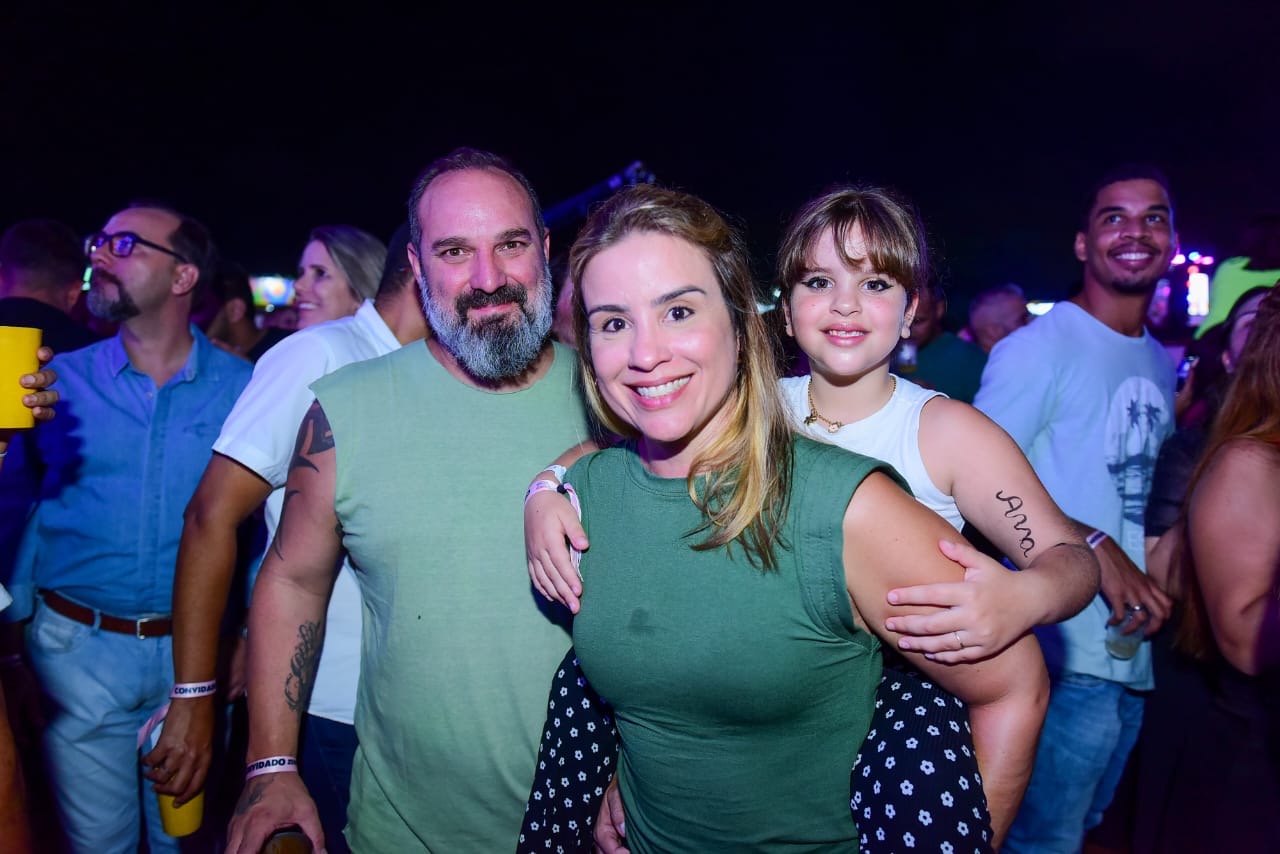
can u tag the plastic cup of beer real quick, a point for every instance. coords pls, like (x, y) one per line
(184, 820)
(18, 345)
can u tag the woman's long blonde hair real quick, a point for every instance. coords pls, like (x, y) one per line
(746, 470)
(1251, 410)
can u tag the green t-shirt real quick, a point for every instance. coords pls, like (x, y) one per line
(951, 365)
(741, 696)
(456, 646)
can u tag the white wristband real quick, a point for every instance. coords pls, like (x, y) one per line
(271, 765)
(1095, 539)
(182, 690)
(540, 486)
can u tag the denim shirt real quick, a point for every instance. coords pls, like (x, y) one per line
(116, 467)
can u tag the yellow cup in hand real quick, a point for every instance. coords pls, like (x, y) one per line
(184, 820)
(18, 346)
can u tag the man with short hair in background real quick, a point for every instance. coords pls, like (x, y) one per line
(233, 324)
(137, 416)
(1087, 393)
(42, 267)
(994, 313)
(939, 360)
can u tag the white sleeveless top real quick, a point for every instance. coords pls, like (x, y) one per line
(891, 434)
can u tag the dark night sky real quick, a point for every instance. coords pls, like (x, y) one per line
(994, 117)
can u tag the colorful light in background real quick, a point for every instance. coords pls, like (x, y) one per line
(271, 290)
(1197, 294)
(1199, 273)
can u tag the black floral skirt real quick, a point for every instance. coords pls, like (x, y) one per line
(914, 786)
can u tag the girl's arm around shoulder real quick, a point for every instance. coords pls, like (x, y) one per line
(969, 456)
(890, 541)
(550, 527)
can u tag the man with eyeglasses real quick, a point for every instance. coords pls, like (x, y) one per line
(138, 415)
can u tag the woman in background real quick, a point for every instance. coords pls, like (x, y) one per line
(339, 269)
(1225, 794)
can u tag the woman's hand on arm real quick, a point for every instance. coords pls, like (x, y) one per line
(1234, 532)
(968, 456)
(980, 615)
(889, 543)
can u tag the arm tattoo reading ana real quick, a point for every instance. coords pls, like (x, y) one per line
(302, 668)
(1013, 504)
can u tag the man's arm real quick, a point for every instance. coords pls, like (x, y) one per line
(228, 492)
(286, 632)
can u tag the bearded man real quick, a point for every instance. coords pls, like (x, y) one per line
(138, 415)
(414, 463)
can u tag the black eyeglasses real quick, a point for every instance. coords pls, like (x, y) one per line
(122, 243)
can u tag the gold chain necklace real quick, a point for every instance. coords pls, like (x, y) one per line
(834, 426)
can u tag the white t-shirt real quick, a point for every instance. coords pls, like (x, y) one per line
(260, 434)
(891, 433)
(1090, 408)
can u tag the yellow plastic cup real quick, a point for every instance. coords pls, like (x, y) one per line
(184, 820)
(18, 345)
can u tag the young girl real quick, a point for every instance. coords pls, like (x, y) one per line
(738, 569)
(850, 266)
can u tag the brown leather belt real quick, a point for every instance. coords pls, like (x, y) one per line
(145, 627)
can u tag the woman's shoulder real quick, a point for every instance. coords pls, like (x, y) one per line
(1247, 458)
(819, 459)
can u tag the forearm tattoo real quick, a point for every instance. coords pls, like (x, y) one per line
(253, 793)
(302, 668)
(1013, 504)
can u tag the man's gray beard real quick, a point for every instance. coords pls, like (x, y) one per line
(499, 349)
(114, 311)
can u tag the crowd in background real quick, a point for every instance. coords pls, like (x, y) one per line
(415, 660)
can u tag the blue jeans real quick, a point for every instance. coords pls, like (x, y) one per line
(103, 687)
(1090, 727)
(328, 749)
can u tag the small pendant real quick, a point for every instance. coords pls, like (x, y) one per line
(808, 422)
(834, 427)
